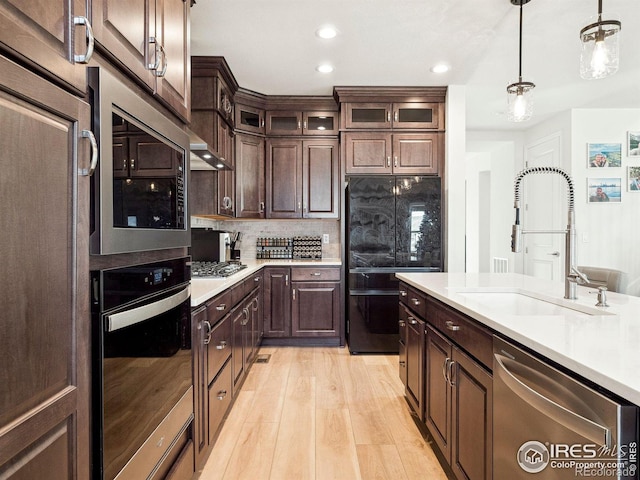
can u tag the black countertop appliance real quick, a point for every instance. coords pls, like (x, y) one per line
(394, 224)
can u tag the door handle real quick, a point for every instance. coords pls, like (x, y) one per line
(94, 153)
(555, 254)
(90, 40)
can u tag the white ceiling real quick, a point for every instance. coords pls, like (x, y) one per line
(271, 48)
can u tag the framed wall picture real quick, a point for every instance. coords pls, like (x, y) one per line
(604, 190)
(633, 179)
(602, 155)
(633, 144)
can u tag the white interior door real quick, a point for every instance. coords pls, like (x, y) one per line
(544, 209)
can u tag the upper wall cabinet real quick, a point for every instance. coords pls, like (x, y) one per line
(413, 115)
(52, 36)
(150, 39)
(302, 123)
(391, 108)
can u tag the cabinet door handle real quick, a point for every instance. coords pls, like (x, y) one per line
(221, 307)
(256, 280)
(388, 116)
(445, 369)
(402, 363)
(450, 326)
(90, 40)
(222, 394)
(395, 160)
(304, 207)
(388, 162)
(451, 380)
(415, 301)
(94, 154)
(298, 124)
(402, 323)
(286, 280)
(161, 57)
(403, 293)
(262, 122)
(207, 339)
(132, 164)
(395, 116)
(261, 208)
(293, 291)
(304, 124)
(255, 301)
(222, 345)
(299, 206)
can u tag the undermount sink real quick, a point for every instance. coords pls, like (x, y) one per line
(519, 302)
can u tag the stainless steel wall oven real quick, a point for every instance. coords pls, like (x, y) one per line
(139, 188)
(142, 399)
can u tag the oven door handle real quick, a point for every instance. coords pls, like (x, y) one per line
(140, 314)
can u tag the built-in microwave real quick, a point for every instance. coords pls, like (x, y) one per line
(139, 187)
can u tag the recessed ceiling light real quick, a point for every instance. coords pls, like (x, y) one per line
(326, 32)
(324, 68)
(440, 68)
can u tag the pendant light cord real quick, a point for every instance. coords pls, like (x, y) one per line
(520, 50)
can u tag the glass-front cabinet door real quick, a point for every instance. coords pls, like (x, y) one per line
(320, 123)
(249, 119)
(415, 115)
(284, 123)
(368, 115)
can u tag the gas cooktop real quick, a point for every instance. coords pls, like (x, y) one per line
(215, 269)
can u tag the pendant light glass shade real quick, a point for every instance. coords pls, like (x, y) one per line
(520, 94)
(600, 46)
(520, 101)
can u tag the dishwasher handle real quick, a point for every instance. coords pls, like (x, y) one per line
(587, 428)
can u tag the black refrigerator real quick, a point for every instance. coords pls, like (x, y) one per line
(394, 224)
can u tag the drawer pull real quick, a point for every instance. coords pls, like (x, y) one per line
(207, 339)
(412, 321)
(221, 307)
(403, 293)
(402, 363)
(222, 394)
(415, 301)
(257, 279)
(315, 274)
(451, 326)
(222, 345)
(402, 323)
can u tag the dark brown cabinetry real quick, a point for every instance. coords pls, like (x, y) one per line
(49, 35)
(315, 302)
(212, 112)
(301, 123)
(250, 119)
(302, 302)
(143, 156)
(277, 302)
(302, 178)
(406, 115)
(227, 334)
(149, 39)
(458, 406)
(250, 176)
(44, 397)
(386, 153)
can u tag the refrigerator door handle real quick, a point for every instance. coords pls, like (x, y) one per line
(593, 431)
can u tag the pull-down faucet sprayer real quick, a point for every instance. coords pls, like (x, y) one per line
(572, 274)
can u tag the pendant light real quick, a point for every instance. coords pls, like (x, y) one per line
(519, 94)
(600, 39)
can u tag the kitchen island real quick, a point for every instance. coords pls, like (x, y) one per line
(597, 343)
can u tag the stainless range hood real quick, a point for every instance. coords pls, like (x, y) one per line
(203, 157)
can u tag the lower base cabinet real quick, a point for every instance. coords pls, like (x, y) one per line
(458, 407)
(302, 304)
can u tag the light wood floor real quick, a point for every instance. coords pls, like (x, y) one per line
(321, 413)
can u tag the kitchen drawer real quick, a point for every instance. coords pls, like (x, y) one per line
(251, 282)
(414, 299)
(219, 307)
(237, 293)
(311, 274)
(463, 331)
(219, 347)
(219, 400)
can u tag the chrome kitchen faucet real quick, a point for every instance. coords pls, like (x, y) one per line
(573, 276)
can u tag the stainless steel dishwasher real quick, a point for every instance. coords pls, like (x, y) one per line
(550, 426)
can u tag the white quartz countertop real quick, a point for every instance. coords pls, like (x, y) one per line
(202, 289)
(601, 344)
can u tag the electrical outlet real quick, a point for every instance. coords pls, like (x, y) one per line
(325, 238)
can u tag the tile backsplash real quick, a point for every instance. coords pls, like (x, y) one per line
(252, 229)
